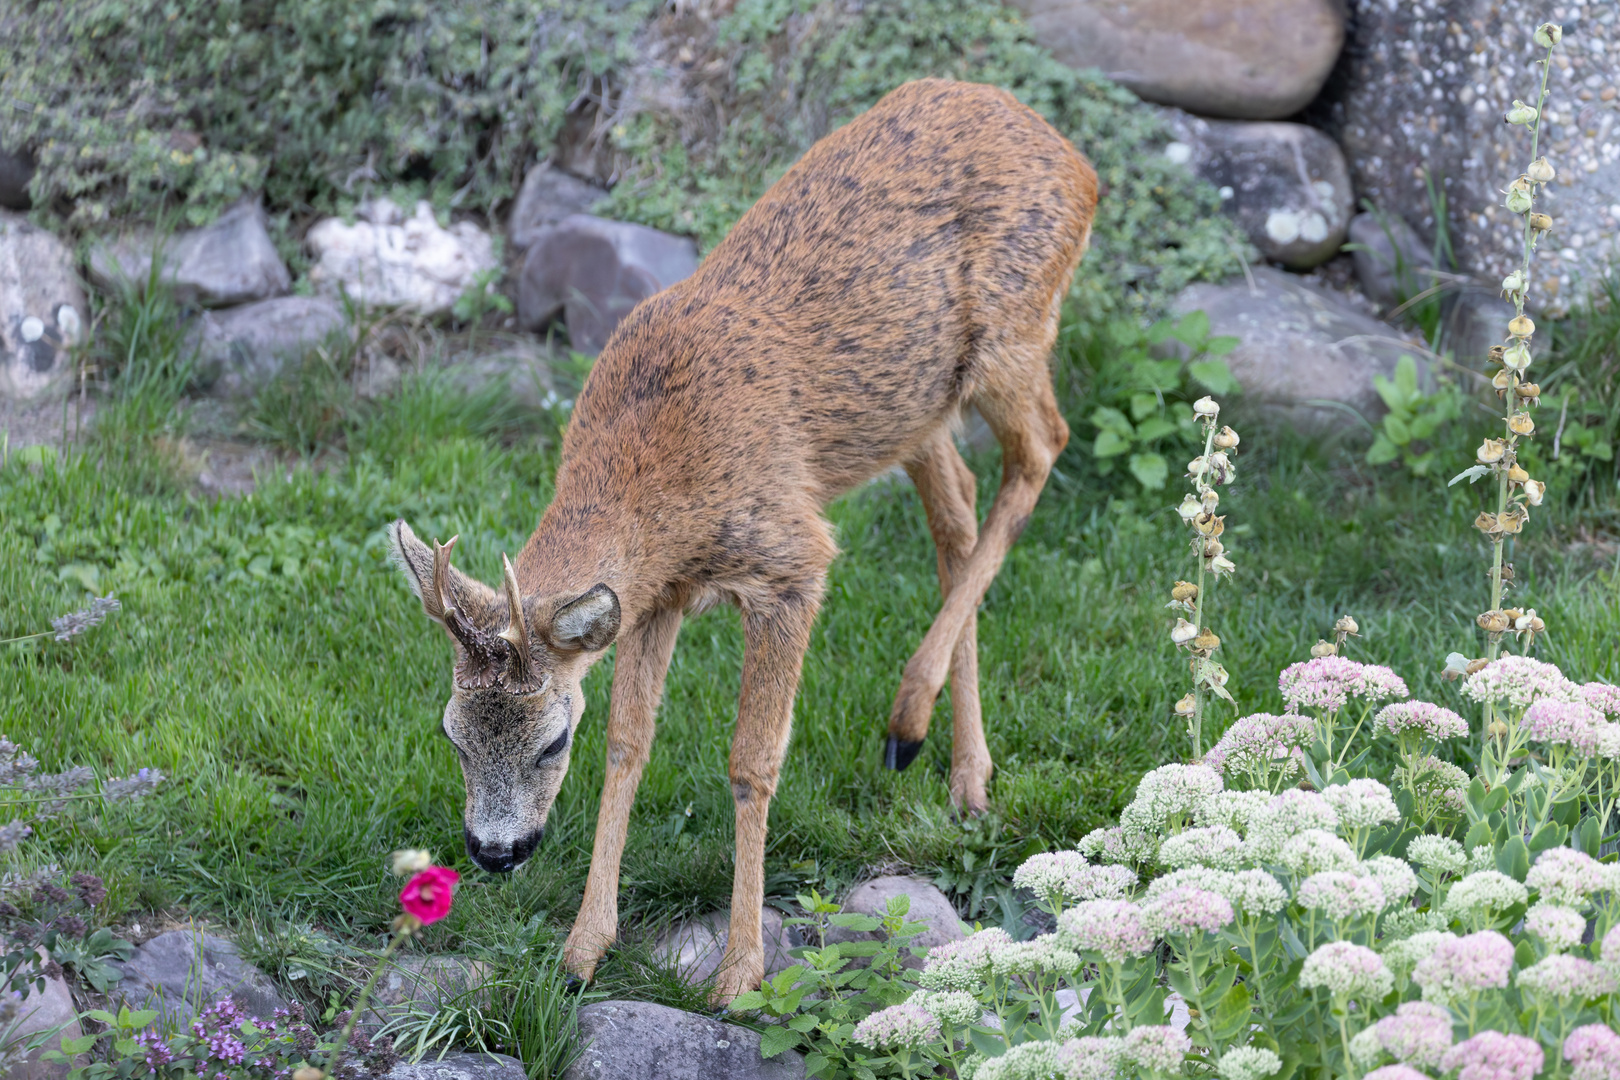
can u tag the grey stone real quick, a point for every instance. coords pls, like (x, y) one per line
(592, 271)
(44, 1019)
(928, 906)
(16, 170)
(636, 1040)
(1286, 185)
(177, 970)
(695, 948)
(1392, 264)
(1422, 92)
(549, 194)
(241, 349)
(522, 368)
(43, 312)
(461, 1067)
(1303, 352)
(389, 260)
(427, 981)
(1241, 59)
(231, 261)
(1473, 318)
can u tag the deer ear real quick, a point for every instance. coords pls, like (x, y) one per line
(589, 622)
(411, 556)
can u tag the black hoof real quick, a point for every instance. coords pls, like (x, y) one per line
(900, 753)
(573, 983)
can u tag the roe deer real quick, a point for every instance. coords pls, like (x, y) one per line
(912, 263)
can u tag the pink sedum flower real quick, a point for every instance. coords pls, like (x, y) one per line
(1558, 926)
(1462, 966)
(1328, 682)
(1593, 1053)
(964, 964)
(1067, 874)
(1362, 803)
(1426, 719)
(1187, 910)
(1611, 948)
(1491, 1055)
(905, 1026)
(1563, 723)
(1340, 895)
(1156, 1049)
(1396, 1072)
(1418, 1034)
(1603, 697)
(1091, 1057)
(1114, 929)
(1518, 681)
(1345, 969)
(1568, 978)
(1261, 743)
(1566, 876)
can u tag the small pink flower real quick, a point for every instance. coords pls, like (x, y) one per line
(1593, 1052)
(1327, 682)
(1461, 966)
(1157, 1049)
(1187, 909)
(1567, 977)
(1491, 1055)
(1566, 876)
(428, 894)
(1611, 947)
(1518, 681)
(1346, 969)
(1563, 723)
(905, 1025)
(1418, 1034)
(1116, 929)
(1261, 743)
(1428, 720)
(1396, 1072)
(1603, 697)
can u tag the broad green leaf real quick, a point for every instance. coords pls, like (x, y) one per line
(102, 1016)
(1600, 450)
(1382, 451)
(1589, 838)
(79, 1045)
(1232, 1013)
(1550, 835)
(987, 1042)
(1192, 329)
(1388, 391)
(775, 1040)
(1495, 799)
(1514, 858)
(1406, 377)
(1214, 376)
(807, 1022)
(854, 921)
(1156, 428)
(1144, 406)
(1108, 418)
(1396, 430)
(1108, 444)
(1221, 345)
(1524, 953)
(748, 1001)
(1150, 470)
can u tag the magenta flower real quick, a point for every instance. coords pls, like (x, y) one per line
(1428, 720)
(1491, 1055)
(1418, 1034)
(428, 895)
(1593, 1053)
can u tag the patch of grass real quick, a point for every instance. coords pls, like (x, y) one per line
(270, 660)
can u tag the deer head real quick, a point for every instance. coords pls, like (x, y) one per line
(515, 699)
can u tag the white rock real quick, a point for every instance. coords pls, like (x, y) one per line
(40, 305)
(393, 261)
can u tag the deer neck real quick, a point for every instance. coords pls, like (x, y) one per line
(587, 537)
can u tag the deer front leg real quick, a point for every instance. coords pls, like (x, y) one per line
(638, 683)
(774, 645)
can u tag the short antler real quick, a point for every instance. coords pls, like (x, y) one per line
(481, 653)
(516, 634)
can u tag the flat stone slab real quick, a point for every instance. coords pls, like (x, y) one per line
(175, 970)
(636, 1040)
(462, 1067)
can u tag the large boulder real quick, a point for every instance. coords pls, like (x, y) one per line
(929, 906)
(1241, 59)
(176, 970)
(231, 261)
(636, 1040)
(1303, 353)
(386, 259)
(1421, 95)
(696, 948)
(240, 349)
(43, 313)
(45, 1017)
(1286, 185)
(548, 196)
(592, 271)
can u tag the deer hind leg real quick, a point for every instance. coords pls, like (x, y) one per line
(948, 491)
(638, 684)
(775, 640)
(1015, 399)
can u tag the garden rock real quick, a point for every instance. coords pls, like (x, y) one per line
(16, 170)
(1423, 91)
(636, 1040)
(42, 310)
(1303, 353)
(1243, 59)
(388, 260)
(41, 1011)
(175, 970)
(427, 981)
(592, 271)
(521, 368)
(548, 196)
(1287, 185)
(928, 906)
(241, 349)
(231, 261)
(1386, 250)
(695, 948)
(461, 1067)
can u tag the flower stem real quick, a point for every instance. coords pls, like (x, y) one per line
(1195, 727)
(360, 1003)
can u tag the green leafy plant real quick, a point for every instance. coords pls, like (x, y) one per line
(481, 297)
(1144, 398)
(1408, 432)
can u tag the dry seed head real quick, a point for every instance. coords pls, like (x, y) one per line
(1503, 381)
(1513, 615)
(1534, 492)
(1197, 466)
(1323, 648)
(1516, 474)
(1189, 508)
(1221, 466)
(1549, 34)
(1206, 406)
(1220, 564)
(1184, 592)
(1496, 354)
(1513, 283)
(1347, 626)
(1522, 326)
(1212, 548)
(1187, 705)
(1541, 170)
(1524, 619)
(1183, 632)
(1490, 451)
(1486, 522)
(1207, 641)
(1529, 391)
(1211, 499)
(1497, 730)
(1520, 423)
(1226, 439)
(1518, 201)
(1476, 666)
(1516, 357)
(308, 1073)
(1511, 521)
(1493, 622)
(1209, 525)
(1541, 222)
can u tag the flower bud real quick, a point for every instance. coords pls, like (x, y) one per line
(1209, 500)
(1522, 326)
(1490, 451)
(1521, 113)
(1323, 648)
(1184, 592)
(1486, 522)
(1541, 222)
(1516, 357)
(1520, 423)
(1534, 492)
(1226, 439)
(1493, 622)
(1347, 626)
(1187, 705)
(1518, 201)
(1541, 170)
(1548, 35)
(1513, 283)
(1183, 632)
(1497, 730)
(1212, 548)
(1220, 564)
(1209, 525)
(1207, 641)
(1189, 508)
(1516, 474)
(410, 861)
(1529, 391)
(1206, 406)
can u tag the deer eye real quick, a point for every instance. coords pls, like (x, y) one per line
(558, 745)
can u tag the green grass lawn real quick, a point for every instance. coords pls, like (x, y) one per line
(271, 661)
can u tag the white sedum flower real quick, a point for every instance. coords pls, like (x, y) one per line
(1362, 804)
(1214, 846)
(1314, 851)
(1248, 1063)
(1393, 875)
(1441, 854)
(1483, 892)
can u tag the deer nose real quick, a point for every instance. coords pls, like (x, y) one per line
(496, 858)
